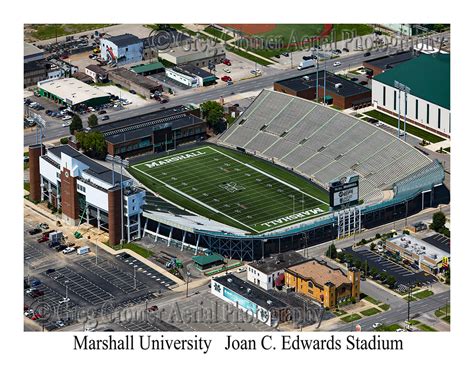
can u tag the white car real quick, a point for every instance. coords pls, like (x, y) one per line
(66, 118)
(65, 124)
(64, 300)
(377, 325)
(29, 312)
(227, 70)
(335, 64)
(69, 250)
(401, 330)
(60, 323)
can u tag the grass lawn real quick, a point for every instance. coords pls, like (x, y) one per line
(339, 312)
(26, 186)
(412, 298)
(385, 307)
(370, 311)
(351, 317)
(441, 313)
(145, 253)
(421, 133)
(217, 33)
(47, 31)
(233, 188)
(248, 56)
(388, 328)
(426, 328)
(423, 294)
(301, 33)
(372, 300)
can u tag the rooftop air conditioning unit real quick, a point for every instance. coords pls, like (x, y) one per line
(338, 85)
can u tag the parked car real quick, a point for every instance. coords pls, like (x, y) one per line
(43, 238)
(36, 316)
(53, 244)
(153, 308)
(59, 323)
(226, 78)
(285, 54)
(132, 91)
(60, 247)
(354, 79)
(34, 231)
(376, 325)
(50, 270)
(69, 250)
(227, 70)
(227, 62)
(37, 293)
(367, 54)
(102, 111)
(363, 82)
(336, 64)
(35, 283)
(345, 49)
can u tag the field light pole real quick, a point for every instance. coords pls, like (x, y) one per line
(402, 88)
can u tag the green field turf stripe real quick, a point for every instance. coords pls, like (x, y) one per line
(196, 200)
(270, 176)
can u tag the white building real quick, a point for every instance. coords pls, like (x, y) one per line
(269, 273)
(88, 192)
(122, 49)
(428, 101)
(182, 77)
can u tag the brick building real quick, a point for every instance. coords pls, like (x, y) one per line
(85, 191)
(340, 92)
(327, 285)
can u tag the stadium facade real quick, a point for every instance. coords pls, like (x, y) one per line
(322, 145)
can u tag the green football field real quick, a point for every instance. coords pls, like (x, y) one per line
(233, 188)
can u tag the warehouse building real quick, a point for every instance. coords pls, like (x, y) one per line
(327, 285)
(162, 40)
(32, 53)
(205, 262)
(122, 49)
(132, 81)
(182, 77)
(250, 299)
(148, 69)
(340, 92)
(86, 191)
(270, 273)
(427, 257)
(428, 103)
(381, 64)
(153, 132)
(72, 92)
(203, 77)
(183, 55)
(97, 73)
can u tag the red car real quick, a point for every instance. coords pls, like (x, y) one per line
(43, 238)
(36, 316)
(227, 62)
(226, 78)
(153, 308)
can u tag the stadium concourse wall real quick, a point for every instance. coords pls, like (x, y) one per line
(421, 190)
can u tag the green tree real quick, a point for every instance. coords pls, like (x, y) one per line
(92, 143)
(331, 251)
(93, 121)
(213, 113)
(439, 219)
(64, 140)
(391, 281)
(76, 124)
(372, 246)
(373, 272)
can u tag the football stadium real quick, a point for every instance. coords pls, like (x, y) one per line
(287, 174)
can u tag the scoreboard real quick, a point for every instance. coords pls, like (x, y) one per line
(344, 192)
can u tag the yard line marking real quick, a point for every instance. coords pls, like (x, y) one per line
(196, 200)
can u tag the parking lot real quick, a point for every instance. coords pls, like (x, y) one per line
(402, 275)
(81, 286)
(439, 241)
(143, 269)
(124, 281)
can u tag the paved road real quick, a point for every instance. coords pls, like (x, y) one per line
(352, 61)
(398, 313)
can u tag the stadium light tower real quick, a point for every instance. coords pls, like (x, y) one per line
(402, 88)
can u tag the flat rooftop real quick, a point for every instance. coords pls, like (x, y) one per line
(195, 71)
(123, 40)
(140, 80)
(30, 49)
(95, 169)
(132, 133)
(251, 292)
(439, 241)
(72, 89)
(390, 61)
(418, 246)
(319, 272)
(305, 81)
(277, 262)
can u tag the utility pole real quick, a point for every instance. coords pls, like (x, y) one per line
(409, 301)
(96, 251)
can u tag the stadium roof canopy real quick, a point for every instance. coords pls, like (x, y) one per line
(428, 77)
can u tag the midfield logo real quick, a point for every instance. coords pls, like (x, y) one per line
(231, 187)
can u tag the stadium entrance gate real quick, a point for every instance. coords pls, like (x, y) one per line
(348, 221)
